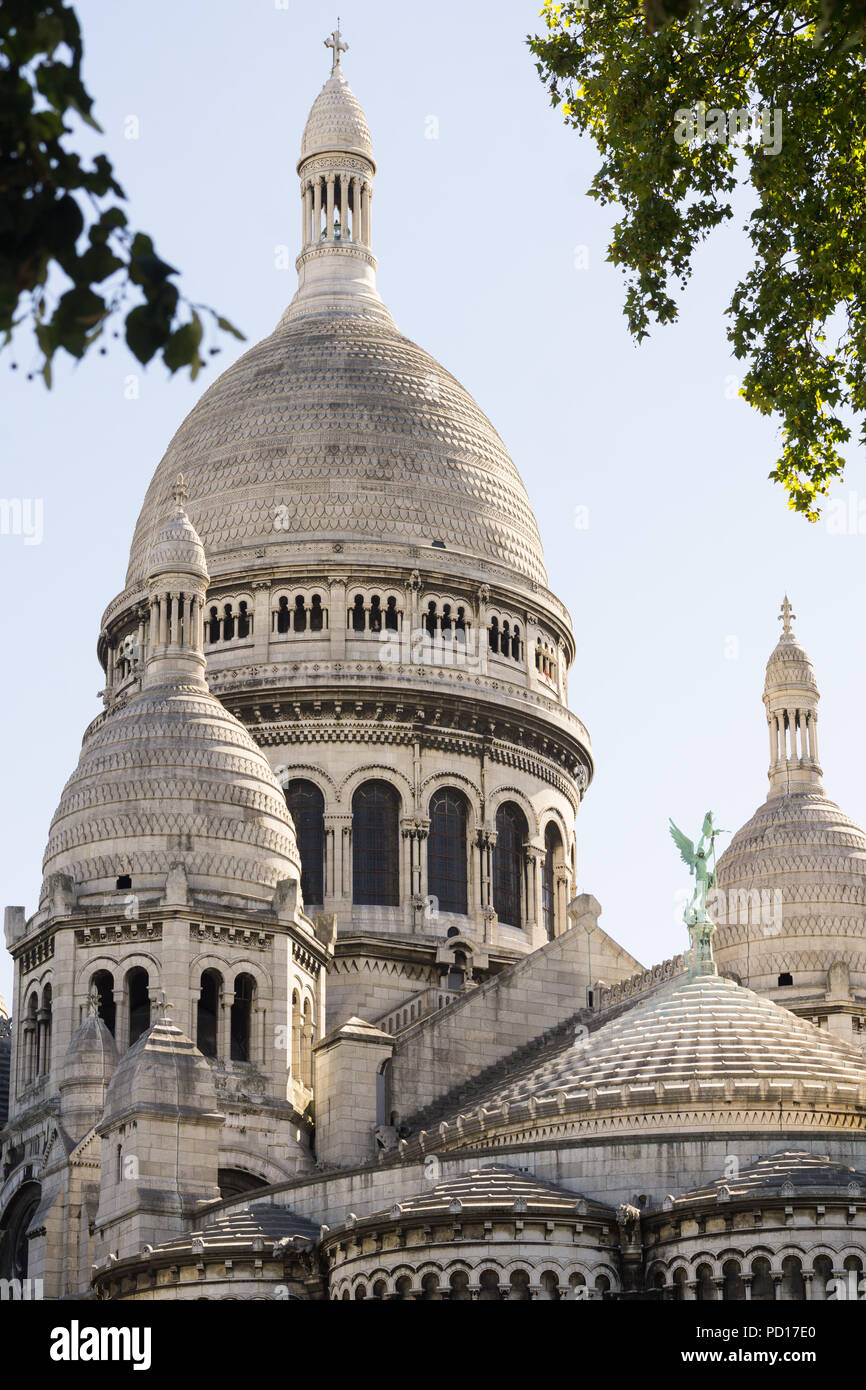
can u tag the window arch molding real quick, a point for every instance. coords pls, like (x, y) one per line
(437, 780)
(502, 794)
(374, 772)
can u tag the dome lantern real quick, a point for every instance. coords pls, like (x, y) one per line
(177, 580)
(791, 698)
(336, 267)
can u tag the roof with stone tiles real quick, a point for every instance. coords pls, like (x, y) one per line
(803, 1171)
(492, 1187)
(263, 1223)
(698, 1038)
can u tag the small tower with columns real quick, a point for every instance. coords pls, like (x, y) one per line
(177, 586)
(336, 266)
(791, 698)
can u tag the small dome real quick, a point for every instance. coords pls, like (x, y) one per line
(164, 1070)
(336, 122)
(789, 664)
(177, 547)
(173, 778)
(91, 1055)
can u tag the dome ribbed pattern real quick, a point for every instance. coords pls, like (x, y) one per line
(178, 548)
(353, 432)
(173, 777)
(336, 121)
(789, 664)
(698, 1027)
(805, 834)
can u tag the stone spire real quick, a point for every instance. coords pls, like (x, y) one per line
(177, 581)
(336, 267)
(791, 698)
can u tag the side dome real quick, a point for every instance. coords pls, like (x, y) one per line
(171, 780)
(696, 1050)
(791, 908)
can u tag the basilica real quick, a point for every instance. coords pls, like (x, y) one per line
(310, 1007)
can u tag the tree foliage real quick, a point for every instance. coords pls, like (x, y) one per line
(666, 109)
(61, 219)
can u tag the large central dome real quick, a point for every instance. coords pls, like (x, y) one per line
(338, 428)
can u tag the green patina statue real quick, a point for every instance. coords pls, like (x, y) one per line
(701, 860)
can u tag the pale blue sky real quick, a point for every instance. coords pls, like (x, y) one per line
(688, 545)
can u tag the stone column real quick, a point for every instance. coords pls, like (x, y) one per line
(364, 194)
(532, 856)
(337, 619)
(175, 619)
(329, 232)
(308, 213)
(261, 620)
(344, 206)
(317, 209)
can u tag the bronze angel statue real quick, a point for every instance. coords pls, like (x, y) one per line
(701, 860)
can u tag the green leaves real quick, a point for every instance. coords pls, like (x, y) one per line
(726, 93)
(53, 216)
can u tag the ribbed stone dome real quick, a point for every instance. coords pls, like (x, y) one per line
(178, 548)
(700, 1028)
(339, 428)
(172, 777)
(336, 121)
(790, 664)
(802, 834)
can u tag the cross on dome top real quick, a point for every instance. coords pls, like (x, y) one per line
(786, 615)
(335, 42)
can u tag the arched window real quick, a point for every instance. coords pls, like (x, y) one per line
(206, 1033)
(213, 626)
(307, 1045)
(103, 984)
(243, 620)
(375, 614)
(446, 850)
(283, 616)
(317, 614)
(511, 833)
(705, 1291)
(552, 861)
(376, 845)
(300, 622)
(357, 615)
(138, 996)
(493, 635)
(733, 1287)
(15, 1247)
(44, 1033)
(242, 1018)
(228, 623)
(297, 1025)
(391, 617)
(763, 1288)
(29, 1041)
(307, 806)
